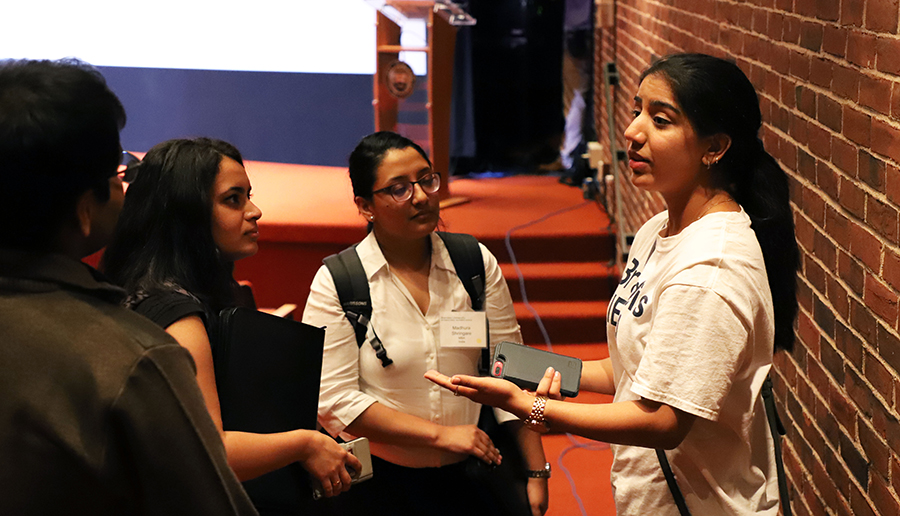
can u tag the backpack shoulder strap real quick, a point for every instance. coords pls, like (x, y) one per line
(352, 287)
(465, 253)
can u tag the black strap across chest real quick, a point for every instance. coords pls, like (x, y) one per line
(352, 285)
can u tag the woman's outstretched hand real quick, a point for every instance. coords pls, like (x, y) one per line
(497, 392)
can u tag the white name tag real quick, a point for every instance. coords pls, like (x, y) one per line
(463, 329)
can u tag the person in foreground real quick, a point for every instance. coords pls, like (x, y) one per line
(420, 436)
(100, 413)
(187, 217)
(708, 290)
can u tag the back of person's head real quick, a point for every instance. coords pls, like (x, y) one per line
(368, 155)
(164, 237)
(718, 98)
(59, 137)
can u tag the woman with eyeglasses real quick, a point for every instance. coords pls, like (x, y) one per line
(420, 435)
(187, 218)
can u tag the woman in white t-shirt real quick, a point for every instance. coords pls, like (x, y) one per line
(707, 294)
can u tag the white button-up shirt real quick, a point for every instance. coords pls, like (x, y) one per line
(353, 377)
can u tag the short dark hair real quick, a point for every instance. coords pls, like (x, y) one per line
(368, 155)
(164, 236)
(59, 137)
(718, 98)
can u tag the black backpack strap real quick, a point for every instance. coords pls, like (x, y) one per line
(352, 287)
(465, 253)
(673, 485)
(777, 429)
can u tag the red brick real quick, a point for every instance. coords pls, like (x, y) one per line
(830, 112)
(800, 130)
(866, 247)
(804, 230)
(857, 126)
(835, 40)
(827, 179)
(885, 139)
(789, 93)
(842, 408)
(820, 141)
(820, 72)
(807, 331)
(760, 20)
(845, 81)
(800, 63)
(861, 49)
(883, 218)
(872, 170)
(775, 25)
(881, 300)
(892, 183)
(839, 299)
(895, 101)
(859, 503)
(851, 272)
(879, 492)
(861, 394)
(881, 15)
(825, 250)
(887, 54)
(880, 377)
(852, 198)
(815, 274)
(837, 225)
(891, 272)
(814, 206)
(852, 12)
(806, 165)
(811, 36)
(875, 92)
(791, 31)
(844, 156)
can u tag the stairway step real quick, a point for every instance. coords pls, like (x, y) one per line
(565, 321)
(589, 247)
(577, 281)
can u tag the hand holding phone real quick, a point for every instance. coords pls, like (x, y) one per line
(359, 448)
(525, 366)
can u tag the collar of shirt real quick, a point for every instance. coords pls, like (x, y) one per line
(373, 259)
(40, 272)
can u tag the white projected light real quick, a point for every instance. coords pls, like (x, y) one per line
(312, 36)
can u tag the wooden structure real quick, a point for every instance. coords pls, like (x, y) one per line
(433, 136)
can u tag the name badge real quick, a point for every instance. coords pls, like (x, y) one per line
(463, 329)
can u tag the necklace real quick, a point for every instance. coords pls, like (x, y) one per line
(710, 207)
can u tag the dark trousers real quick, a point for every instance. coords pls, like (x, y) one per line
(400, 491)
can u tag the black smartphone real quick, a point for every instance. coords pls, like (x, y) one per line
(525, 366)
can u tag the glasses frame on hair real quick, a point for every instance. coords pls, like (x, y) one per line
(403, 190)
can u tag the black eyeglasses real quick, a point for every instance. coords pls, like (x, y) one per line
(128, 167)
(403, 191)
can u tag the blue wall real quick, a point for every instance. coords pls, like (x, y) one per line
(306, 118)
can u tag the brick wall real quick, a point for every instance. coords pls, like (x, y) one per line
(828, 76)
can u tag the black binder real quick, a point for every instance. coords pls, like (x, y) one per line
(267, 374)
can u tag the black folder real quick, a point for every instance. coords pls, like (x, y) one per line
(267, 373)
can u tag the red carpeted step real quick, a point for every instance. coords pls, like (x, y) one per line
(586, 247)
(561, 281)
(565, 321)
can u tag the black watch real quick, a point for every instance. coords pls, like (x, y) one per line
(540, 473)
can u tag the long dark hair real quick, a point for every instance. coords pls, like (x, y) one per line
(719, 99)
(164, 240)
(368, 155)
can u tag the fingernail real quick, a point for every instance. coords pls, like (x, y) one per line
(549, 370)
(556, 374)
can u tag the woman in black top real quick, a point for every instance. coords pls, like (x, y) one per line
(187, 217)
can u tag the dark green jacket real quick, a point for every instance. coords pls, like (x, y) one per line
(100, 412)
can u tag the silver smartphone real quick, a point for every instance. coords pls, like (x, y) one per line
(360, 449)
